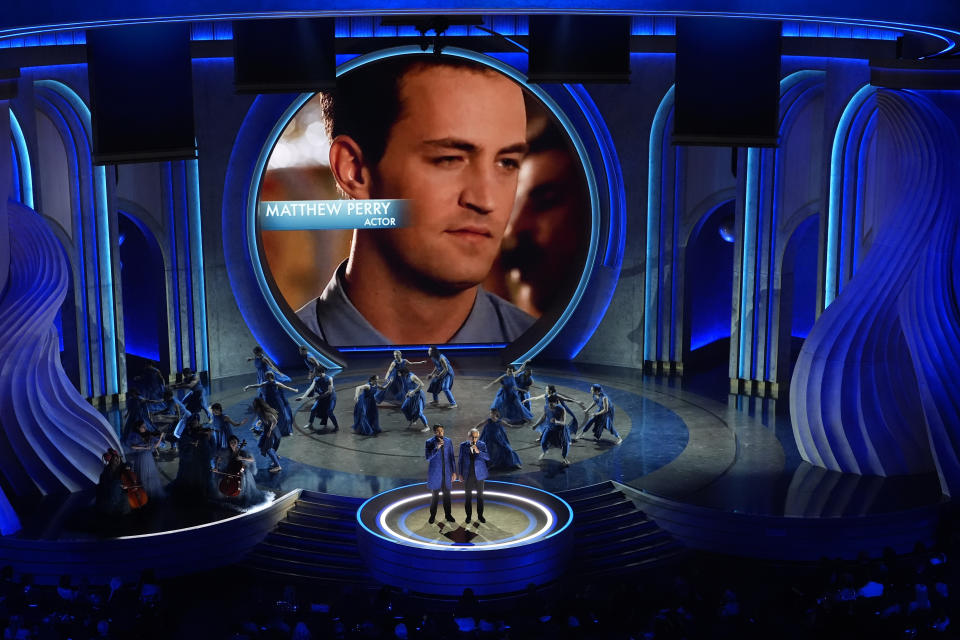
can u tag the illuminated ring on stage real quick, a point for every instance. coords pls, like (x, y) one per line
(547, 512)
(502, 555)
(530, 519)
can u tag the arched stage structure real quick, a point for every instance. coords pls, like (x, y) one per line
(775, 330)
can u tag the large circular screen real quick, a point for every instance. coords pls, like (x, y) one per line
(427, 200)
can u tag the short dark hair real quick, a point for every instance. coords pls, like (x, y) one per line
(216, 407)
(438, 426)
(366, 103)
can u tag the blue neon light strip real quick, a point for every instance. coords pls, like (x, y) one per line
(23, 156)
(196, 244)
(478, 346)
(34, 35)
(748, 248)
(654, 189)
(106, 283)
(15, 194)
(617, 214)
(835, 203)
(645, 25)
(406, 50)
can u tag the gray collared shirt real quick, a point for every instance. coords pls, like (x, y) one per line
(336, 321)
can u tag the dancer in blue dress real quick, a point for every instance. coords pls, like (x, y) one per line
(326, 399)
(152, 384)
(193, 474)
(602, 418)
(492, 434)
(269, 441)
(309, 361)
(573, 425)
(140, 445)
(190, 382)
(137, 412)
(441, 378)
(366, 415)
(222, 425)
(507, 400)
(556, 434)
(393, 389)
(524, 378)
(272, 392)
(263, 364)
(414, 401)
(111, 499)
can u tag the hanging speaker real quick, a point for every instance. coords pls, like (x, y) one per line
(575, 48)
(141, 93)
(727, 82)
(284, 56)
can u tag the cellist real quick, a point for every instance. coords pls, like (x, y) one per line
(231, 461)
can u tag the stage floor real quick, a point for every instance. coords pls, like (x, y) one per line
(688, 441)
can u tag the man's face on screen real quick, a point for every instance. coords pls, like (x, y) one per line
(455, 153)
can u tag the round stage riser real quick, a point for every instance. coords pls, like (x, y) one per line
(450, 572)
(526, 539)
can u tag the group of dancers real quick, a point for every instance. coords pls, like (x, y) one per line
(213, 461)
(161, 416)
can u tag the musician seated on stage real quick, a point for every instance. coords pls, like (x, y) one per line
(193, 475)
(234, 480)
(111, 499)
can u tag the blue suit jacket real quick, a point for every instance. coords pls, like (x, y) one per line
(437, 459)
(479, 465)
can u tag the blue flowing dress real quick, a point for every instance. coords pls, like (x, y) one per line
(524, 382)
(501, 453)
(572, 426)
(412, 406)
(193, 474)
(603, 421)
(323, 407)
(556, 434)
(269, 439)
(507, 402)
(273, 395)
(137, 410)
(144, 464)
(394, 388)
(221, 432)
(366, 415)
(442, 383)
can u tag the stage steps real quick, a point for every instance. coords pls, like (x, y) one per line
(316, 541)
(612, 536)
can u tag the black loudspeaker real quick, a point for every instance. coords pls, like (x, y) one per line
(141, 93)
(578, 48)
(284, 56)
(727, 82)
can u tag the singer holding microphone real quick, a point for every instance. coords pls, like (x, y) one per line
(473, 471)
(441, 471)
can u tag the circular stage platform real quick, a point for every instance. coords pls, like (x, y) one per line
(527, 538)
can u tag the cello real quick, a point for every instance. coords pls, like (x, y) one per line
(136, 494)
(232, 482)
